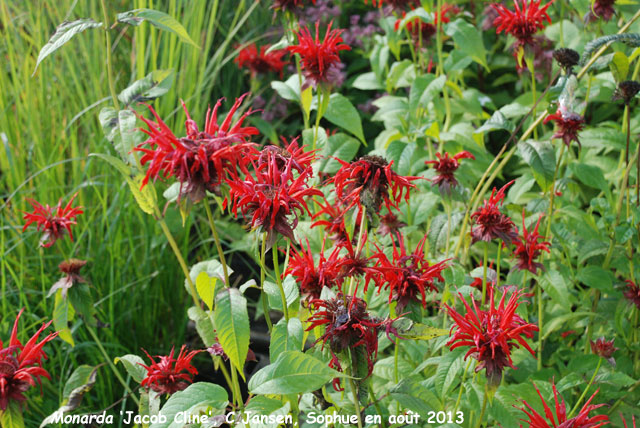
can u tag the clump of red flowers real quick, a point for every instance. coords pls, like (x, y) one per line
(632, 293)
(21, 365)
(54, 222)
(320, 58)
(446, 167)
(270, 197)
(568, 124)
(312, 277)
(202, 159)
(409, 276)
(523, 22)
(491, 335)
(71, 270)
(370, 181)
(170, 375)
(528, 249)
(348, 326)
(490, 222)
(582, 420)
(259, 61)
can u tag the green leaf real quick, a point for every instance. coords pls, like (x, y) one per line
(321, 141)
(367, 82)
(285, 337)
(62, 313)
(468, 39)
(307, 98)
(413, 395)
(291, 292)
(81, 381)
(496, 121)
(596, 277)
(132, 365)
(541, 157)
(12, 417)
(270, 407)
(196, 398)
(423, 332)
(343, 114)
(212, 267)
(80, 297)
(292, 373)
(341, 146)
(562, 321)
(206, 286)
(449, 371)
(64, 32)
(590, 175)
(438, 229)
(120, 129)
(555, 286)
(158, 19)
(204, 325)
(232, 322)
(150, 87)
(619, 66)
(289, 90)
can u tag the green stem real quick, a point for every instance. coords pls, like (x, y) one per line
(484, 272)
(584, 393)
(498, 264)
(363, 226)
(539, 299)
(464, 377)
(216, 238)
(112, 87)
(109, 361)
(276, 268)
(447, 207)
(532, 70)
(318, 117)
(484, 407)
(553, 194)
(356, 401)
(237, 394)
(374, 400)
(265, 297)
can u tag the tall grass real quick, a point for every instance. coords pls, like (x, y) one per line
(49, 126)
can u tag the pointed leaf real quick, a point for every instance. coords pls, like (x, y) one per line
(132, 364)
(158, 19)
(285, 337)
(342, 113)
(196, 398)
(232, 322)
(150, 87)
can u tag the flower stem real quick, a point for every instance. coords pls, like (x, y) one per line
(109, 361)
(553, 194)
(237, 395)
(112, 87)
(318, 117)
(498, 264)
(276, 268)
(484, 272)
(464, 377)
(363, 226)
(584, 393)
(265, 298)
(532, 70)
(216, 238)
(539, 299)
(356, 402)
(484, 407)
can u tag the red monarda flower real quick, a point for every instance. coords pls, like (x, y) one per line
(21, 365)
(71, 270)
(582, 420)
(54, 222)
(170, 375)
(258, 61)
(446, 167)
(421, 32)
(368, 182)
(524, 21)
(356, 264)
(624, 421)
(604, 348)
(319, 58)
(348, 325)
(333, 221)
(528, 249)
(568, 125)
(491, 335)
(200, 160)
(312, 277)
(632, 293)
(601, 9)
(301, 159)
(390, 225)
(491, 223)
(271, 197)
(409, 276)
(289, 4)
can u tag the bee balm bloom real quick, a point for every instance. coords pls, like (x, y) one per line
(568, 124)
(446, 167)
(491, 335)
(319, 57)
(21, 365)
(491, 223)
(528, 249)
(258, 61)
(524, 21)
(54, 222)
(170, 375)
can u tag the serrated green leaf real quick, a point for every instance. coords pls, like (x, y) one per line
(292, 373)
(158, 19)
(232, 323)
(285, 337)
(196, 398)
(541, 157)
(12, 417)
(438, 229)
(206, 286)
(496, 121)
(423, 332)
(590, 175)
(342, 113)
(341, 146)
(469, 39)
(596, 277)
(449, 371)
(64, 32)
(132, 365)
(62, 313)
(413, 395)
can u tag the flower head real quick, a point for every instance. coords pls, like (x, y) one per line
(528, 249)
(319, 57)
(568, 124)
(632, 293)
(421, 32)
(604, 348)
(288, 5)
(202, 159)
(170, 375)
(333, 221)
(567, 58)
(601, 9)
(409, 276)
(54, 222)
(312, 277)
(369, 182)
(71, 270)
(21, 365)
(626, 91)
(300, 158)
(524, 21)
(390, 224)
(491, 335)
(272, 196)
(582, 420)
(357, 264)
(446, 167)
(491, 223)
(259, 61)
